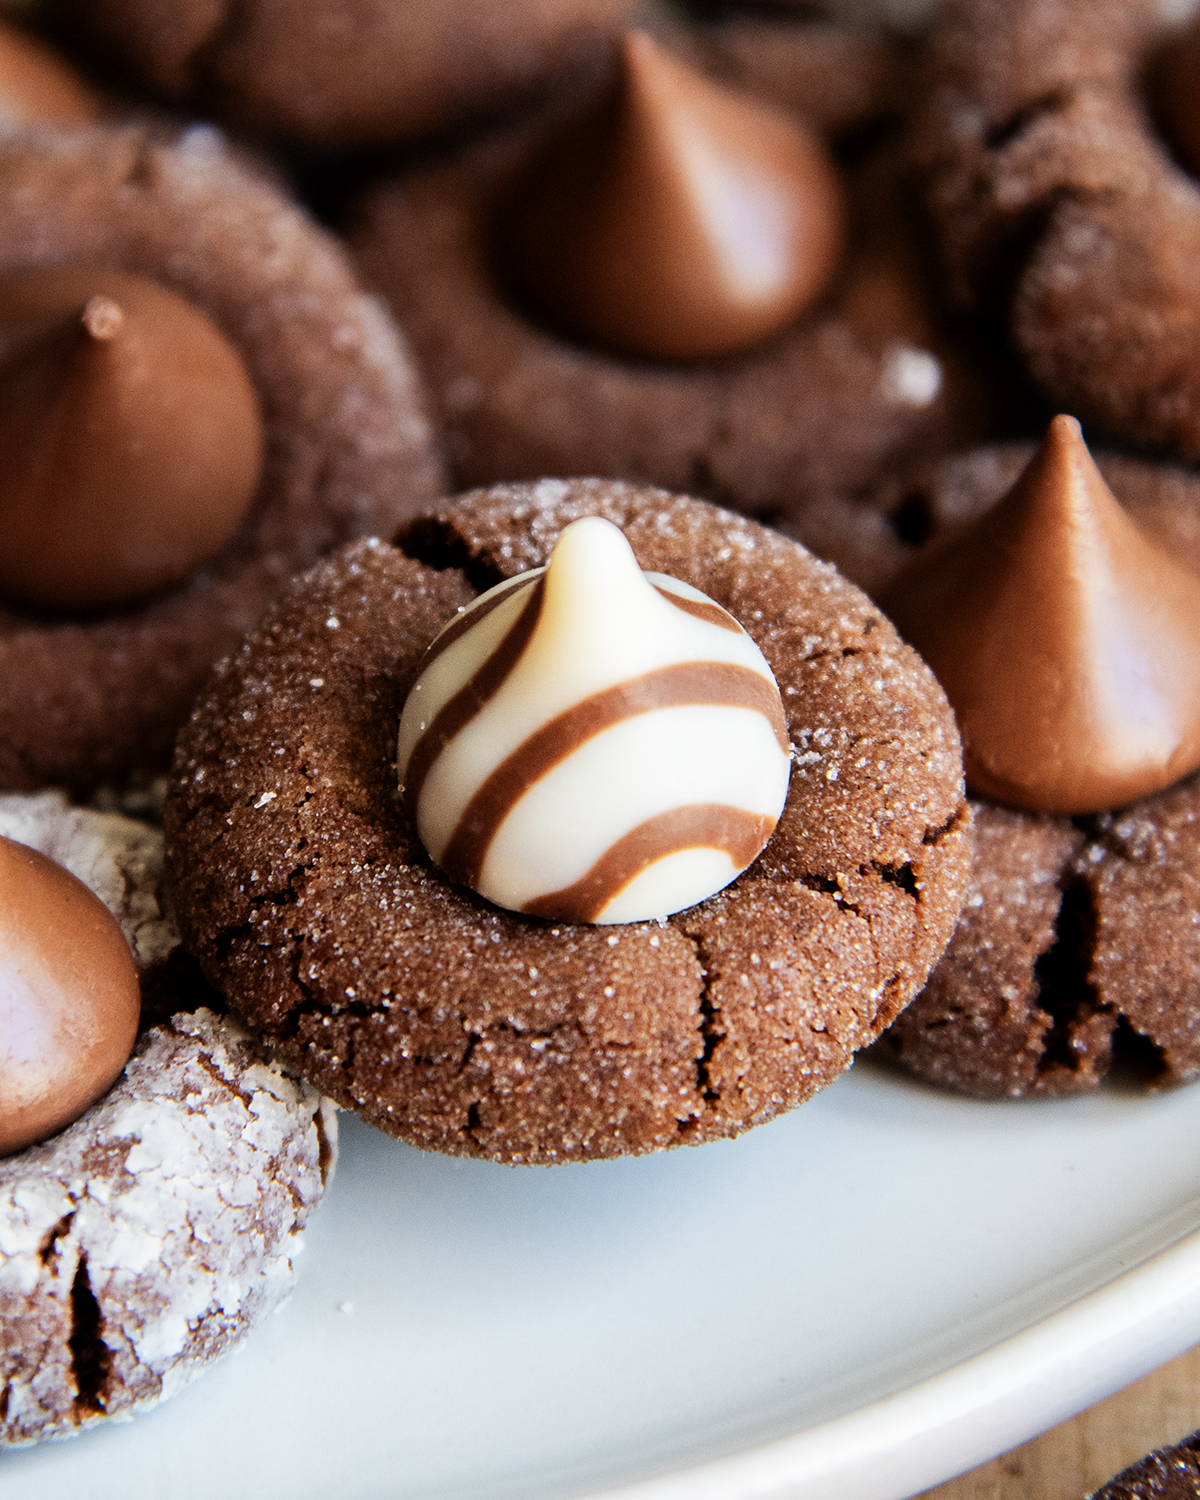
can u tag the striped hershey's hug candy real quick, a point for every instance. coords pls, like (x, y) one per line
(590, 743)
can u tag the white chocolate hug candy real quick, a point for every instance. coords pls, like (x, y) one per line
(591, 743)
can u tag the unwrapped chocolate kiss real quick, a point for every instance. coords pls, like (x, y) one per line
(132, 438)
(69, 997)
(1066, 640)
(682, 221)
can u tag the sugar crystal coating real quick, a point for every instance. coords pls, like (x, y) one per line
(304, 891)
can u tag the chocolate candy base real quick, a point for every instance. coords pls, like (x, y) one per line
(306, 896)
(151, 1236)
(363, 70)
(1166, 1474)
(1078, 946)
(90, 700)
(1056, 199)
(863, 382)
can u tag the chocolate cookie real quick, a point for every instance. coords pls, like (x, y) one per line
(344, 71)
(149, 1237)
(1058, 202)
(1166, 1474)
(92, 696)
(1077, 945)
(307, 897)
(863, 380)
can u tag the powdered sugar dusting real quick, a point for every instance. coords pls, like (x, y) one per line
(154, 1233)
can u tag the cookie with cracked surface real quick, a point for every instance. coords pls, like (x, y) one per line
(1057, 200)
(305, 893)
(149, 1237)
(1077, 946)
(92, 697)
(866, 378)
(343, 72)
(1171, 1473)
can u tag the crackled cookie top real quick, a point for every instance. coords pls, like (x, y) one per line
(1060, 206)
(305, 892)
(150, 1236)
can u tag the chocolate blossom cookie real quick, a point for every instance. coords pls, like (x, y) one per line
(1077, 947)
(306, 895)
(150, 1236)
(1060, 204)
(565, 327)
(343, 71)
(130, 265)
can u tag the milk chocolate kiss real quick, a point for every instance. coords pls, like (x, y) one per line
(680, 221)
(69, 998)
(1068, 643)
(36, 84)
(131, 436)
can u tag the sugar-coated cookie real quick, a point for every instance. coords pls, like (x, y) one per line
(305, 893)
(150, 1236)
(93, 695)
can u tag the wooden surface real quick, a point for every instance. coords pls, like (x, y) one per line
(1070, 1461)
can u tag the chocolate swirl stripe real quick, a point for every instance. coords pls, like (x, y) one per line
(473, 615)
(695, 683)
(473, 695)
(711, 614)
(704, 825)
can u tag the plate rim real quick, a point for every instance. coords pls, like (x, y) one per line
(982, 1406)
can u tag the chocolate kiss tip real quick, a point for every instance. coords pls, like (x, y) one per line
(132, 439)
(678, 221)
(102, 317)
(1067, 642)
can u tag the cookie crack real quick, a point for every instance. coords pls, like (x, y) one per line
(826, 886)
(1063, 988)
(710, 1033)
(205, 1063)
(934, 835)
(1140, 1057)
(48, 1250)
(1004, 132)
(473, 1040)
(436, 543)
(839, 652)
(91, 1358)
(903, 876)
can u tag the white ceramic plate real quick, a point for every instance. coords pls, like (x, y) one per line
(854, 1302)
